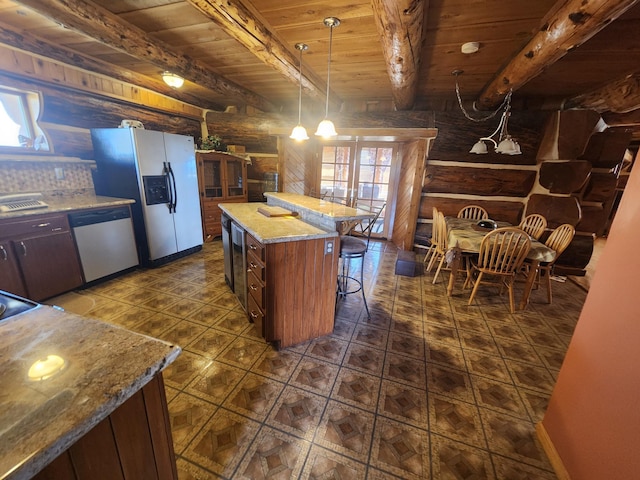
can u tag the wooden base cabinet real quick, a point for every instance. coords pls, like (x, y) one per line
(132, 443)
(40, 255)
(222, 178)
(292, 289)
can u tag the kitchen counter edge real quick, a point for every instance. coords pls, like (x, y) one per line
(69, 204)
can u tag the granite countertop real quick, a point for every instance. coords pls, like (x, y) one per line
(68, 203)
(273, 229)
(104, 366)
(324, 208)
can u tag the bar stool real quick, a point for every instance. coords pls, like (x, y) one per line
(351, 248)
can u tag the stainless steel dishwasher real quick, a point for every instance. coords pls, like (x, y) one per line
(105, 241)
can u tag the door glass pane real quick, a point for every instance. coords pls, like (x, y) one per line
(234, 178)
(212, 179)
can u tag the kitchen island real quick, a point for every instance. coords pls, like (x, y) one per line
(81, 398)
(291, 272)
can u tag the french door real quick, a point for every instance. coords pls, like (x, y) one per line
(359, 174)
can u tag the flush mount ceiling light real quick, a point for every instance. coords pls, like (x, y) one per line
(326, 128)
(500, 138)
(299, 133)
(470, 47)
(173, 80)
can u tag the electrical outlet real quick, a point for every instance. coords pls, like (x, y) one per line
(59, 173)
(328, 247)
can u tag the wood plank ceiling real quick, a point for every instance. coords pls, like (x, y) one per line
(386, 55)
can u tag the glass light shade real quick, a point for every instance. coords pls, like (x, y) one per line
(479, 147)
(326, 129)
(299, 133)
(508, 147)
(173, 80)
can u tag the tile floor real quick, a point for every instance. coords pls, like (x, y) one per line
(427, 388)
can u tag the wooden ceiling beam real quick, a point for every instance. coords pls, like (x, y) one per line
(569, 24)
(629, 119)
(620, 96)
(100, 24)
(401, 27)
(243, 23)
(33, 44)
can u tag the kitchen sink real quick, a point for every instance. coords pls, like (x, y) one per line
(11, 305)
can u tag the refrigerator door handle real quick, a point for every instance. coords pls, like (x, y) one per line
(175, 189)
(165, 172)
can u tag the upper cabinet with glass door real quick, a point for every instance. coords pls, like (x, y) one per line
(236, 173)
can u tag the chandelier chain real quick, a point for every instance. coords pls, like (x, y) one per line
(505, 102)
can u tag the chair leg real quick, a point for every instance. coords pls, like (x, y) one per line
(548, 275)
(509, 285)
(428, 255)
(433, 260)
(435, 277)
(475, 288)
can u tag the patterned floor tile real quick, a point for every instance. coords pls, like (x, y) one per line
(190, 471)
(278, 365)
(400, 449)
(346, 430)
(187, 414)
(460, 461)
(403, 403)
(315, 375)
(273, 455)
(498, 396)
(364, 358)
(254, 396)
(368, 335)
(222, 442)
(184, 369)
(216, 382)
(329, 349)
(449, 382)
(182, 333)
(405, 370)
(357, 388)
(298, 412)
(210, 343)
(243, 352)
(456, 420)
(324, 464)
(487, 366)
(408, 345)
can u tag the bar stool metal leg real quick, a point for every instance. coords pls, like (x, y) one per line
(345, 276)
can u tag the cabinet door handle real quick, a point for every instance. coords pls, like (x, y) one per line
(24, 249)
(56, 229)
(253, 265)
(41, 225)
(253, 287)
(4, 253)
(253, 314)
(252, 246)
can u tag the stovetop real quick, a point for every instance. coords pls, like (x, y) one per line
(11, 305)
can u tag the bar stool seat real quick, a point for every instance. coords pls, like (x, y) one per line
(351, 248)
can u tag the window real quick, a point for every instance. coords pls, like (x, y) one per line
(18, 127)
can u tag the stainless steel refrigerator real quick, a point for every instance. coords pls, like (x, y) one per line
(158, 171)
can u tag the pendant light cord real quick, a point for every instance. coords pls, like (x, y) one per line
(326, 108)
(300, 91)
(506, 102)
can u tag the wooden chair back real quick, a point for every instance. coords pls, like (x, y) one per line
(560, 239)
(503, 250)
(440, 232)
(534, 224)
(473, 212)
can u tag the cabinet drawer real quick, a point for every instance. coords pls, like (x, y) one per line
(255, 266)
(36, 225)
(256, 289)
(256, 247)
(212, 214)
(255, 315)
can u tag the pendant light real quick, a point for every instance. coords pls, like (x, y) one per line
(299, 133)
(505, 143)
(326, 128)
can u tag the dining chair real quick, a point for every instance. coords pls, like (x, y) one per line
(501, 254)
(442, 244)
(534, 224)
(432, 245)
(365, 228)
(558, 241)
(473, 212)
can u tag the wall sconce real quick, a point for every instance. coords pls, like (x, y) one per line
(299, 133)
(505, 143)
(326, 128)
(173, 80)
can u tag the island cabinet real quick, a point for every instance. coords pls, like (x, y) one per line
(292, 288)
(134, 442)
(38, 256)
(221, 178)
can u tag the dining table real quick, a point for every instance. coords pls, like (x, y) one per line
(465, 236)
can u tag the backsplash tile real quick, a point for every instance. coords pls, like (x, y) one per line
(21, 176)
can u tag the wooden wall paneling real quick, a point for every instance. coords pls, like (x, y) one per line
(329, 278)
(498, 210)
(407, 205)
(556, 210)
(155, 401)
(601, 187)
(456, 136)
(60, 469)
(606, 149)
(478, 181)
(131, 432)
(252, 131)
(564, 177)
(106, 465)
(299, 173)
(574, 129)
(593, 219)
